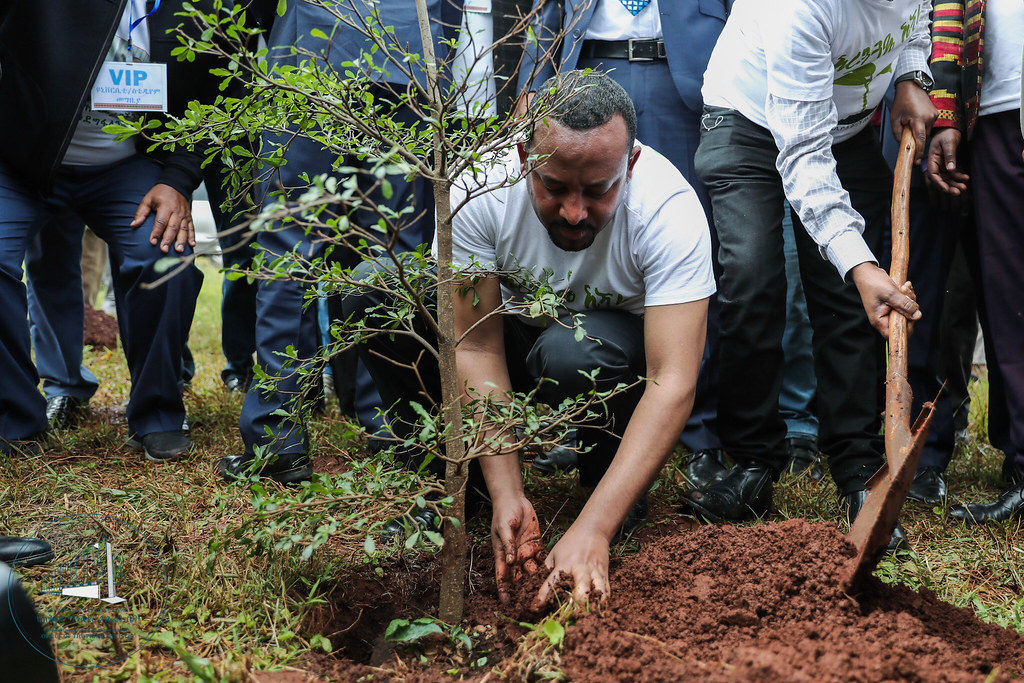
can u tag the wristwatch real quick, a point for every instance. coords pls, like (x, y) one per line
(919, 78)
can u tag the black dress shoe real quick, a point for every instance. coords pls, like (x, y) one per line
(743, 494)
(929, 486)
(803, 457)
(163, 446)
(852, 503)
(24, 552)
(1008, 505)
(423, 518)
(284, 469)
(22, 448)
(62, 412)
(635, 518)
(556, 459)
(705, 467)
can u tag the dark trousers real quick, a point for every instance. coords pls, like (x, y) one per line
(664, 122)
(736, 161)
(153, 322)
(549, 357)
(997, 177)
(284, 317)
(238, 297)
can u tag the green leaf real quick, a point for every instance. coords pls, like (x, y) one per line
(369, 545)
(411, 542)
(434, 537)
(317, 33)
(319, 641)
(554, 631)
(282, 5)
(403, 631)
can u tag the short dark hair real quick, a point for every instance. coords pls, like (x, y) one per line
(584, 100)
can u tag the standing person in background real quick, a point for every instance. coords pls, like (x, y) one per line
(282, 320)
(978, 78)
(789, 94)
(55, 158)
(657, 50)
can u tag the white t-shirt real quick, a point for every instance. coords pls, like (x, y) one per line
(1004, 40)
(810, 51)
(655, 251)
(612, 21)
(90, 146)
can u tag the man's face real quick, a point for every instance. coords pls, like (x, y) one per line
(579, 182)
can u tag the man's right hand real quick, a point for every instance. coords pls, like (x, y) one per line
(515, 535)
(943, 170)
(881, 296)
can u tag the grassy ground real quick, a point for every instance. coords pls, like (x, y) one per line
(228, 612)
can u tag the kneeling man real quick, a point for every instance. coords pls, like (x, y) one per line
(613, 225)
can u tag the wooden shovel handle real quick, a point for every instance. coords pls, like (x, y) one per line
(897, 400)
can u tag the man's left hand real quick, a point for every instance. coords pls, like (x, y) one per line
(913, 107)
(173, 222)
(583, 555)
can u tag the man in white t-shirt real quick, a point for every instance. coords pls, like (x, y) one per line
(789, 94)
(613, 226)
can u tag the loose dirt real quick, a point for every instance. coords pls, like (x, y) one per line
(757, 603)
(100, 329)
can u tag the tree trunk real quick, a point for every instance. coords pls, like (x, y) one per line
(453, 555)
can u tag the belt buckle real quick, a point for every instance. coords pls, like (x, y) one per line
(630, 47)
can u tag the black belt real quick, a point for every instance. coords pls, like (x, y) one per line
(634, 49)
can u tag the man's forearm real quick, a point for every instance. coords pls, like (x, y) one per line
(650, 436)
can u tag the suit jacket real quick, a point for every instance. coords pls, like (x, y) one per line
(346, 43)
(690, 29)
(50, 53)
(958, 39)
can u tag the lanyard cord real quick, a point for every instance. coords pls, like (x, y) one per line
(133, 24)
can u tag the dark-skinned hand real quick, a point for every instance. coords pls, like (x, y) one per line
(515, 537)
(881, 296)
(581, 554)
(173, 222)
(943, 171)
(913, 107)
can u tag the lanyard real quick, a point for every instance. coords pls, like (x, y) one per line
(133, 24)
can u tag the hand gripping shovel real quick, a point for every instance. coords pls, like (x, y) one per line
(887, 489)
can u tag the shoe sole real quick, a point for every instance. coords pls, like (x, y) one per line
(136, 445)
(295, 475)
(32, 560)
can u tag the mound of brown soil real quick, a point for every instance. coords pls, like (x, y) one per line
(763, 603)
(100, 329)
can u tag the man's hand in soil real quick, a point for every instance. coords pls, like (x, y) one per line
(944, 172)
(881, 296)
(173, 222)
(913, 107)
(583, 555)
(515, 535)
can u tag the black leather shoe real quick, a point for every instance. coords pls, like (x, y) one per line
(1008, 505)
(62, 412)
(852, 503)
(557, 459)
(24, 552)
(22, 448)
(163, 446)
(803, 457)
(635, 518)
(284, 469)
(745, 493)
(929, 486)
(705, 467)
(234, 384)
(395, 531)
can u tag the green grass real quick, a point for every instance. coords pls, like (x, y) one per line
(231, 612)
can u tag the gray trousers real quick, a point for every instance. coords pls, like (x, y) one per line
(548, 356)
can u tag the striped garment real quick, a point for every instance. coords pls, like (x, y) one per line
(958, 38)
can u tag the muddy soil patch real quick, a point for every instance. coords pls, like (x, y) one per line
(100, 329)
(763, 603)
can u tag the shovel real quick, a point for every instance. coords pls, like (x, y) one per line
(888, 488)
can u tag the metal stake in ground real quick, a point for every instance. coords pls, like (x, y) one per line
(871, 530)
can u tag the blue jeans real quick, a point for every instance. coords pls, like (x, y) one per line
(153, 322)
(53, 269)
(796, 397)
